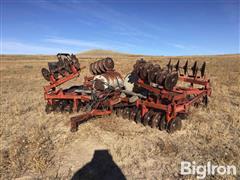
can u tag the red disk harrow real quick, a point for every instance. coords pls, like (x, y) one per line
(152, 95)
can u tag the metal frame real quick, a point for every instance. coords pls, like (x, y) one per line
(178, 101)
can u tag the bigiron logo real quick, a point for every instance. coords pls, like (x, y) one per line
(201, 171)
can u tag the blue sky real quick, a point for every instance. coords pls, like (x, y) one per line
(164, 27)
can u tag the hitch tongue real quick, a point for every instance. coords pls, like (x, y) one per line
(76, 120)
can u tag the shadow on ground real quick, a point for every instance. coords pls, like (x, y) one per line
(101, 167)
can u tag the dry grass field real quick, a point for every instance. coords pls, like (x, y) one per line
(36, 145)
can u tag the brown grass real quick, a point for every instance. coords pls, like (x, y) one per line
(34, 144)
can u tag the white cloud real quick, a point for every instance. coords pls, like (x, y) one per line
(72, 42)
(15, 47)
(112, 45)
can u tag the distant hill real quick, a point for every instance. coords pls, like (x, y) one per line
(104, 53)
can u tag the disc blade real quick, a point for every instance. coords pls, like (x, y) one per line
(185, 67)
(194, 68)
(203, 68)
(177, 66)
(169, 63)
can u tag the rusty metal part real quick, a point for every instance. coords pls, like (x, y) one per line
(138, 66)
(108, 64)
(145, 70)
(161, 76)
(152, 74)
(92, 69)
(109, 79)
(75, 121)
(102, 66)
(97, 67)
(171, 81)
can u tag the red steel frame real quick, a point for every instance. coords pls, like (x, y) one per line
(177, 97)
(179, 103)
(50, 93)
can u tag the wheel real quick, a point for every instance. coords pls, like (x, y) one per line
(147, 117)
(138, 117)
(162, 122)
(174, 125)
(155, 120)
(48, 108)
(46, 74)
